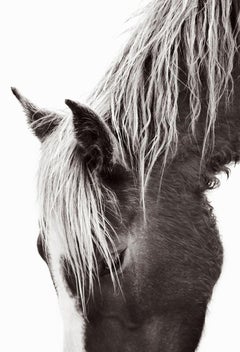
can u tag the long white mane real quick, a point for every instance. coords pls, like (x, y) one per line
(144, 111)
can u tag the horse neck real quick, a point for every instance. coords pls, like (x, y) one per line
(226, 148)
(223, 145)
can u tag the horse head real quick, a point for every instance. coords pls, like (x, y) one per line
(126, 229)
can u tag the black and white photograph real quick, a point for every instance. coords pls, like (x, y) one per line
(120, 176)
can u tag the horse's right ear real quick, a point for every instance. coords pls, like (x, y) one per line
(94, 137)
(41, 121)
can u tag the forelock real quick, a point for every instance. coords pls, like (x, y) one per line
(72, 204)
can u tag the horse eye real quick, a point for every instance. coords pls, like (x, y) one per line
(116, 264)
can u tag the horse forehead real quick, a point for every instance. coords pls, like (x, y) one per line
(73, 321)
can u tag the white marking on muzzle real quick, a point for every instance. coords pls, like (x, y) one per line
(73, 322)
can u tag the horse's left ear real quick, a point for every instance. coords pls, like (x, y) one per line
(41, 121)
(94, 137)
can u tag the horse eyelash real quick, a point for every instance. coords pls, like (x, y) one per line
(118, 259)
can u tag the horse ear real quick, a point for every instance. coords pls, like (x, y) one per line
(41, 121)
(93, 135)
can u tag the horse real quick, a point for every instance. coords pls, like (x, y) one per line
(126, 229)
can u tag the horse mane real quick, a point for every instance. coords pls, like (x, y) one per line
(142, 110)
(139, 95)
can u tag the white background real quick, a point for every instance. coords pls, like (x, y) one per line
(52, 50)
